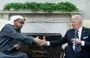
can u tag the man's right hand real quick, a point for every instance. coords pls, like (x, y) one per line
(39, 41)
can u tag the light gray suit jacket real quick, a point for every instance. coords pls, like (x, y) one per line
(8, 38)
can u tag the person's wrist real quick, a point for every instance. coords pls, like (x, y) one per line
(83, 43)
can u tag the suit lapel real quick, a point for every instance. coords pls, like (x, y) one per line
(72, 33)
(83, 33)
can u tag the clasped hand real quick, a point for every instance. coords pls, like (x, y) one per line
(39, 41)
(76, 40)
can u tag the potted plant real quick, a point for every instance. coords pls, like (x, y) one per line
(46, 7)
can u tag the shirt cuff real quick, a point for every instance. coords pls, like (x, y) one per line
(83, 43)
(48, 43)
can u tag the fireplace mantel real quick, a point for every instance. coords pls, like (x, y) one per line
(37, 12)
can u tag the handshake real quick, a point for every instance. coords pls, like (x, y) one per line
(40, 41)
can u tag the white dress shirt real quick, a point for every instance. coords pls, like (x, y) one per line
(79, 34)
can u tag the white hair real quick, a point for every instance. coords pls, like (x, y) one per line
(13, 18)
(78, 17)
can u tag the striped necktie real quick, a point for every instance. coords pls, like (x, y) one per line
(77, 46)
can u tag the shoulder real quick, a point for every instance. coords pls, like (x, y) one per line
(70, 30)
(86, 29)
(7, 27)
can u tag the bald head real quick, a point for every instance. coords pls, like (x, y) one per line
(76, 21)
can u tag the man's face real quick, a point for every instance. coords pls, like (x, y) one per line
(19, 23)
(76, 24)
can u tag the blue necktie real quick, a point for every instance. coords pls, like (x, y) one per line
(77, 46)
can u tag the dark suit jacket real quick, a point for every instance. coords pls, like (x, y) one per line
(69, 53)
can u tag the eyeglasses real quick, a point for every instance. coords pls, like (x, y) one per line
(21, 22)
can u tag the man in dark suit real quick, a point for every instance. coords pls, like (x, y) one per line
(79, 44)
(10, 36)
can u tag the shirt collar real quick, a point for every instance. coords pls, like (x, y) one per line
(80, 29)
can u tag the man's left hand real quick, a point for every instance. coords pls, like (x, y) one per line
(77, 41)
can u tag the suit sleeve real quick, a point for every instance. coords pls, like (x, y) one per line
(87, 43)
(61, 41)
(11, 33)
